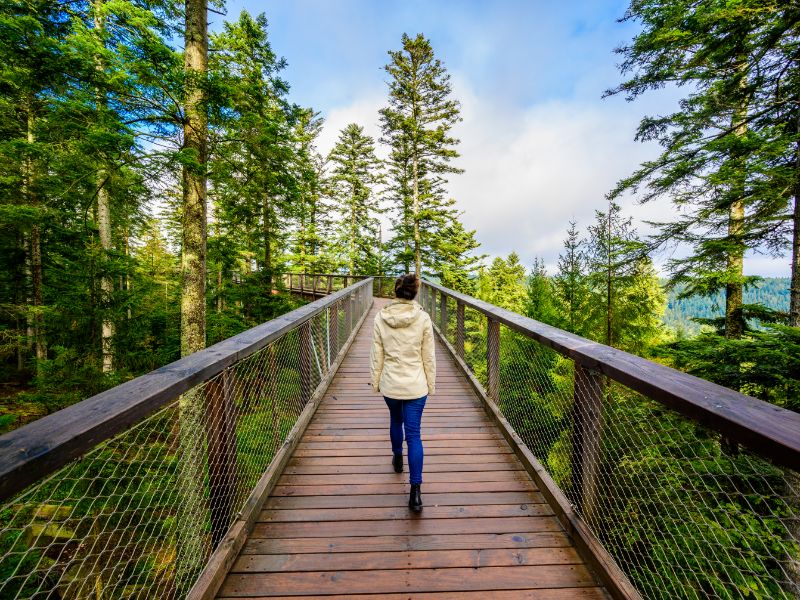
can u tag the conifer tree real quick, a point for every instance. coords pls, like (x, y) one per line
(626, 299)
(256, 143)
(710, 166)
(541, 302)
(417, 126)
(355, 172)
(194, 154)
(571, 286)
(453, 257)
(503, 283)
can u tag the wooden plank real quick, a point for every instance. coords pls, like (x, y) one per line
(386, 467)
(379, 478)
(396, 488)
(356, 451)
(401, 500)
(408, 580)
(447, 443)
(370, 460)
(477, 541)
(415, 526)
(418, 559)
(586, 593)
(379, 514)
(382, 437)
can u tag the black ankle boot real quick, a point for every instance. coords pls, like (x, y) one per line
(397, 463)
(415, 500)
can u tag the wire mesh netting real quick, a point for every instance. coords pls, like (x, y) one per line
(684, 512)
(138, 516)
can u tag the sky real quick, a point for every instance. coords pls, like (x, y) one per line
(539, 145)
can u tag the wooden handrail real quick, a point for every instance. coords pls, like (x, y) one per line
(35, 450)
(770, 430)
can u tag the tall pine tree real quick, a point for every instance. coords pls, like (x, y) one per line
(417, 126)
(355, 172)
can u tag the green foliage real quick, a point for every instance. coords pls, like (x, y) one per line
(503, 283)
(355, 171)
(417, 126)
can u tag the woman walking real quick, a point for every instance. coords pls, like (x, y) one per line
(403, 365)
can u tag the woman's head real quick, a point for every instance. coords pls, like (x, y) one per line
(406, 286)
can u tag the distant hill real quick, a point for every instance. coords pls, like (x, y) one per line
(772, 292)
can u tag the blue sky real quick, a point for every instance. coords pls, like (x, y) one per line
(539, 145)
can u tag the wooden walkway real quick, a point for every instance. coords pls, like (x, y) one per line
(337, 523)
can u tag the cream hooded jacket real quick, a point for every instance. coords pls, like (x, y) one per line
(402, 359)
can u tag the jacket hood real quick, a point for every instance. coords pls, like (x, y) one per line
(401, 313)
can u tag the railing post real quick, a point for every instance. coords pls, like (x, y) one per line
(314, 285)
(330, 284)
(306, 358)
(221, 436)
(587, 414)
(333, 329)
(272, 390)
(348, 313)
(443, 314)
(460, 329)
(493, 359)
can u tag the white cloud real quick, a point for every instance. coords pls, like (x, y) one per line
(529, 171)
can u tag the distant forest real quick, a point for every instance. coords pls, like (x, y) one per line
(772, 292)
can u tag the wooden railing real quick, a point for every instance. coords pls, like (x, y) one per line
(572, 422)
(145, 480)
(321, 284)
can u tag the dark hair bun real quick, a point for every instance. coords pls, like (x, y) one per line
(406, 286)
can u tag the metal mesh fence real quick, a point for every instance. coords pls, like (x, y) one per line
(685, 513)
(138, 516)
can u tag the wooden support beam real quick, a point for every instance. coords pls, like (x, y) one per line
(443, 313)
(493, 359)
(221, 435)
(460, 329)
(305, 339)
(587, 414)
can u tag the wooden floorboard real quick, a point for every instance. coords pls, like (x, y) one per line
(337, 524)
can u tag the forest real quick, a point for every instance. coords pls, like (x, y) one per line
(156, 180)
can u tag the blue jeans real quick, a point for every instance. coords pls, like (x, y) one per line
(407, 414)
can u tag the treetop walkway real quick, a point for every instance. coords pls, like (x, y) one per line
(555, 468)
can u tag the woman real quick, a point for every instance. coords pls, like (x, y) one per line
(403, 367)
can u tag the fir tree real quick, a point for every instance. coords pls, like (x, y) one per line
(417, 126)
(711, 167)
(570, 282)
(626, 299)
(355, 173)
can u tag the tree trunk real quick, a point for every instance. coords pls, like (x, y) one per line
(38, 333)
(353, 234)
(267, 241)
(734, 320)
(104, 220)
(193, 337)
(106, 284)
(191, 550)
(609, 309)
(20, 285)
(38, 295)
(417, 257)
(219, 288)
(794, 292)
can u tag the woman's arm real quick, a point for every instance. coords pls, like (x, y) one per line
(429, 357)
(376, 356)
